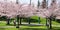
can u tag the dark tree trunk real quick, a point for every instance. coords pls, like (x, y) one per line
(17, 21)
(39, 20)
(50, 24)
(46, 22)
(14, 22)
(8, 21)
(20, 20)
(28, 20)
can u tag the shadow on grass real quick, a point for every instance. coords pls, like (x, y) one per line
(31, 29)
(54, 28)
(2, 28)
(10, 25)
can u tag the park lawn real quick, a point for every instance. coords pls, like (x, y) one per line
(30, 28)
(25, 28)
(3, 23)
(43, 21)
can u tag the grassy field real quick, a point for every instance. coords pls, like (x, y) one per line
(3, 26)
(55, 25)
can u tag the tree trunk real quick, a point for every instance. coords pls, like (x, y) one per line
(8, 21)
(39, 20)
(50, 24)
(20, 21)
(17, 21)
(28, 20)
(14, 22)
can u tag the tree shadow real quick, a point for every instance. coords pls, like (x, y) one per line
(2, 28)
(10, 25)
(54, 28)
(31, 29)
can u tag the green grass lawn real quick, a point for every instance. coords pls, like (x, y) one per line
(55, 25)
(3, 23)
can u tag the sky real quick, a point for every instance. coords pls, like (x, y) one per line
(33, 1)
(27, 1)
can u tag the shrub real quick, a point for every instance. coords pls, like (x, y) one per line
(3, 18)
(32, 19)
(58, 20)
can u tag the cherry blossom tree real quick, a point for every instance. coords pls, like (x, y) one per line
(11, 10)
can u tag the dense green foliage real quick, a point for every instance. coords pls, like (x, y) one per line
(3, 18)
(32, 19)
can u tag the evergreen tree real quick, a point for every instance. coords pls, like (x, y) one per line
(38, 4)
(16, 1)
(44, 4)
(30, 2)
